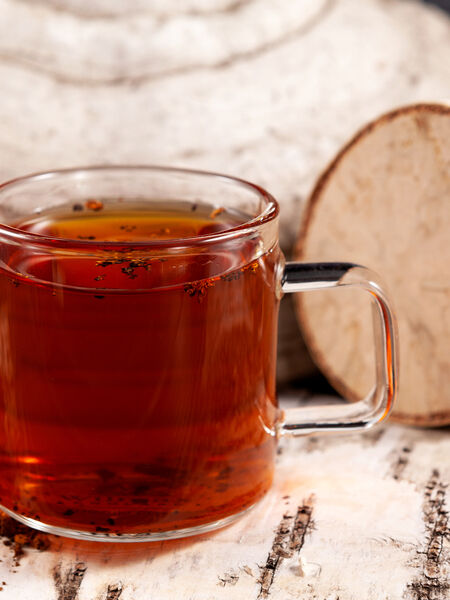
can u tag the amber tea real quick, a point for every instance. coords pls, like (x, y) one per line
(137, 387)
(138, 320)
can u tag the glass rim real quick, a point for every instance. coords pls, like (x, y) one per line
(269, 213)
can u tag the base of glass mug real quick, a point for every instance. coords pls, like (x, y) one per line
(93, 536)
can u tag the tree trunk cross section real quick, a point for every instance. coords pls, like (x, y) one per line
(348, 518)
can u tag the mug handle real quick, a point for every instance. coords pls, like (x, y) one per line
(356, 416)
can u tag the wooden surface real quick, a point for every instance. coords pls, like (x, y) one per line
(348, 518)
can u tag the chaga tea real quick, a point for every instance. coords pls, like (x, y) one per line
(138, 322)
(137, 387)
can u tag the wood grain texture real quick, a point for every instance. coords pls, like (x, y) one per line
(342, 521)
(264, 90)
(68, 585)
(384, 202)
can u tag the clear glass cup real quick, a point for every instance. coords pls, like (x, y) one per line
(138, 326)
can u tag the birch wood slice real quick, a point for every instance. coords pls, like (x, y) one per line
(384, 202)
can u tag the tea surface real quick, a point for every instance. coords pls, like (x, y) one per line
(137, 387)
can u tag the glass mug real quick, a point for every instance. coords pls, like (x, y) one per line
(138, 326)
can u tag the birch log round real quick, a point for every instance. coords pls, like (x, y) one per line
(385, 202)
(264, 90)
